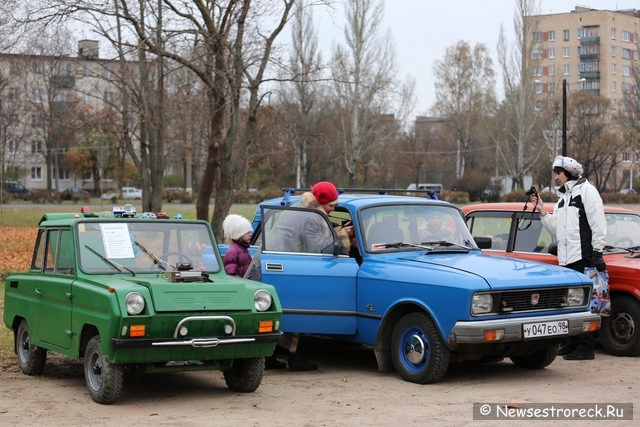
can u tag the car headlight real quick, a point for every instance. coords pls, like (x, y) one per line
(575, 297)
(262, 300)
(134, 303)
(481, 304)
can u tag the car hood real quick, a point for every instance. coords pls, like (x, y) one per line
(223, 294)
(499, 272)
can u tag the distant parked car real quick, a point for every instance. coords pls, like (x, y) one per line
(16, 189)
(628, 191)
(128, 193)
(74, 193)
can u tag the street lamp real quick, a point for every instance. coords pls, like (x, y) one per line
(564, 114)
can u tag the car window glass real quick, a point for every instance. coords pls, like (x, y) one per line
(65, 262)
(623, 229)
(297, 230)
(37, 262)
(494, 225)
(51, 250)
(534, 238)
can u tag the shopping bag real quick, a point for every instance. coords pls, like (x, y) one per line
(600, 297)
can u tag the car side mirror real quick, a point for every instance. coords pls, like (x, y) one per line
(483, 242)
(553, 248)
(337, 248)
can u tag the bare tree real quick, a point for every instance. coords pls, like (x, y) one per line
(598, 145)
(365, 85)
(465, 83)
(520, 142)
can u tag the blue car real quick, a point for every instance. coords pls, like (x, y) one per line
(422, 303)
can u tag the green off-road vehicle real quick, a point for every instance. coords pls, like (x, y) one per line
(145, 295)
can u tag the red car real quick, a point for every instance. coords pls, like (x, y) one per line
(518, 233)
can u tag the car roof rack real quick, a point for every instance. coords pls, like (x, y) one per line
(288, 192)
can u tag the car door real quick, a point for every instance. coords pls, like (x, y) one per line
(317, 289)
(52, 288)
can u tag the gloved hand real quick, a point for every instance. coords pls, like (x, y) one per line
(597, 261)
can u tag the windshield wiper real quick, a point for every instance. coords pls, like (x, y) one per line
(157, 261)
(633, 250)
(444, 243)
(113, 264)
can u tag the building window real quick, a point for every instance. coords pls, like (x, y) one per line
(536, 53)
(62, 70)
(37, 68)
(566, 69)
(565, 35)
(14, 119)
(626, 88)
(14, 70)
(613, 68)
(36, 95)
(13, 94)
(552, 70)
(36, 120)
(635, 55)
(626, 36)
(614, 86)
(36, 174)
(537, 36)
(36, 147)
(552, 36)
(565, 52)
(626, 70)
(62, 95)
(537, 71)
(107, 74)
(613, 33)
(614, 104)
(626, 53)
(552, 52)
(583, 32)
(552, 87)
(589, 67)
(537, 105)
(12, 146)
(62, 174)
(537, 87)
(627, 157)
(87, 98)
(87, 72)
(108, 96)
(613, 51)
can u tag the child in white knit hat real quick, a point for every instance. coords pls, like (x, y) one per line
(237, 258)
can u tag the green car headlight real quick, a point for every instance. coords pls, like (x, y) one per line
(262, 300)
(134, 303)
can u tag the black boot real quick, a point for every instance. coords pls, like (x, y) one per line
(297, 364)
(272, 362)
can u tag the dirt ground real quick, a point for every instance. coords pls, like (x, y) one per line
(347, 390)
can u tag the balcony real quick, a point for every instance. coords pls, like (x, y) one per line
(590, 75)
(590, 40)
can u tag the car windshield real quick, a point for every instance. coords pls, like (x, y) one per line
(140, 246)
(435, 226)
(623, 231)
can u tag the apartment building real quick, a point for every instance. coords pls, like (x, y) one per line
(37, 96)
(591, 49)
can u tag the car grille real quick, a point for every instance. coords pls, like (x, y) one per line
(534, 300)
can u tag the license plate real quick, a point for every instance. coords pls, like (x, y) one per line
(545, 329)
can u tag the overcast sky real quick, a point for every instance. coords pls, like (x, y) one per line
(424, 29)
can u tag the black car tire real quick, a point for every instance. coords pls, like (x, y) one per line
(104, 379)
(538, 360)
(245, 375)
(619, 334)
(31, 358)
(419, 354)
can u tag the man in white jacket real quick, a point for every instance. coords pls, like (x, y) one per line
(580, 227)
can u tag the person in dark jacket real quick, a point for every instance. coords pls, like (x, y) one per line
(237, 258)
(580, 228)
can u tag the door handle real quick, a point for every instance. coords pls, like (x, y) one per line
(39, 291)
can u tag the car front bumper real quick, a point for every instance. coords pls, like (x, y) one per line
(475, 332)
(202, 342)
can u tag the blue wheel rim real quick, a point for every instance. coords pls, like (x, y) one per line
(414, 349)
